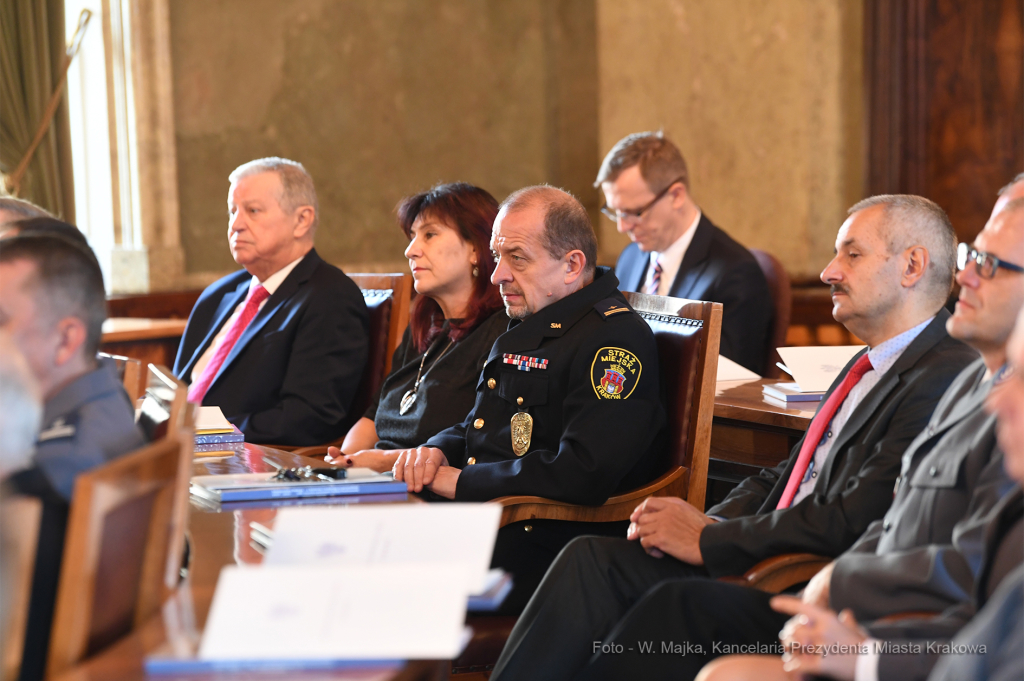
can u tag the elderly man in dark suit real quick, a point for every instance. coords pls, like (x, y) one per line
(891, 275)
(279, 346)
(676, 250)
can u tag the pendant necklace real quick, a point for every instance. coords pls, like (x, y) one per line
(409, 398)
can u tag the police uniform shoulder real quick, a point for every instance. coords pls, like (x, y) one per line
(610, 307)
(62, 428)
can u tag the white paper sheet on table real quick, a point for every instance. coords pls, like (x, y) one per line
(729, 370)
(815, 367)
(383, 535)
(334, 612)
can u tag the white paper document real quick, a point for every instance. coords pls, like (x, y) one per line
(729, 370)
(815, 367)
(212, 420)
(406, 535)
(333, 612)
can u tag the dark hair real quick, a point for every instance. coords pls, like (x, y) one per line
(661, 163)
(471, 210)
(68, 280)
(566, 222)
(51, 227)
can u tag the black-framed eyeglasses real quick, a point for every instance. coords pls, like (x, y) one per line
(987, 264)
(637, 214)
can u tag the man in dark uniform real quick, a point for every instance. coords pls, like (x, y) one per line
(567, 404)
(53, 304)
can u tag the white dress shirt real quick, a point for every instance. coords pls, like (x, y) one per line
(272, 283)
(882, 357)
(671, 258)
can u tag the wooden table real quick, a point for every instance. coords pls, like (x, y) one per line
(218, 538)
(748, 433)
(149, 340)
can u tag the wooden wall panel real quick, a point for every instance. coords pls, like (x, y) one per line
(945, 101)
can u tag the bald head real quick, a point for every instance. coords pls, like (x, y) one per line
(1014, 190)
(566, 223)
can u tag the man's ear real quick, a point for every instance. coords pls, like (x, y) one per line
(679, 195)
(575, 264)
(72, 334)
(915, 266)
(303, 221)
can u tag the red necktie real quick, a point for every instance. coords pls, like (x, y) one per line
(818, 426)
(652, 287)
(197, 391)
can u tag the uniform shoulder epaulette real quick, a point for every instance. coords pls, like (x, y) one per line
(610, 307)
(65, 426)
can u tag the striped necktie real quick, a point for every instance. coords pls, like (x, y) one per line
(655, 282)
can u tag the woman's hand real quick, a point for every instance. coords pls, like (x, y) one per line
(378, 460)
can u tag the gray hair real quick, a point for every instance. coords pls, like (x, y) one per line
(566, 223)
(22, 209)
(660, 161)
(296, 184)
(21, 408)
(914, 220)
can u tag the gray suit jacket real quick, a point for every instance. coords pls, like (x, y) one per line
(926, 551)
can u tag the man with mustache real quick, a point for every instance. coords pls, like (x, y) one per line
(568, 404)
(891, 275)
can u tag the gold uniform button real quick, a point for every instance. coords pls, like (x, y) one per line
(491, 383)
(478, 424)
(528, 528)
(470, 461)
(519, 400)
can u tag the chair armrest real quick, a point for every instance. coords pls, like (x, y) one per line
(910, 615)
(778, 573)
(517, 508)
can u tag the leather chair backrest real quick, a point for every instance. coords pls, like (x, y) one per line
(379, 303)
(678, 340)
(782, 298)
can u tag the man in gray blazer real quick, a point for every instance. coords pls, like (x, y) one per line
(891, 275)
(924, 554)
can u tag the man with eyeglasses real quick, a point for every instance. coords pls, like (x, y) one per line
(676, 250)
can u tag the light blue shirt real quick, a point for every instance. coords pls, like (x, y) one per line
(882, 357)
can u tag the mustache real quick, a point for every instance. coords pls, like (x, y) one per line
(509, 291)
(838, 288)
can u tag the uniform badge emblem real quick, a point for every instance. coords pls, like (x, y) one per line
(615, 373)
(522, 432)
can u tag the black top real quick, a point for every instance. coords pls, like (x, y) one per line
(448, 386)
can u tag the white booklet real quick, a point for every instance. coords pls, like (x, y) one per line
(729, 370)
(281, 613)
(404, 535)
(212, 420)
(815, 367)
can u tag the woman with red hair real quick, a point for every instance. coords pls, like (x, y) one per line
(453, 322)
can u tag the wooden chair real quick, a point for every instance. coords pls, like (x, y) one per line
(129, 371)
(778, 573)
(387, 297)
(120, 560)
(687, 333)
(782, 298)
(165, 407)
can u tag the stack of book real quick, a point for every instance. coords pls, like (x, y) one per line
(790, 394)
(215, 435)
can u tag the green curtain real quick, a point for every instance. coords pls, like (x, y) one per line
(31, 45)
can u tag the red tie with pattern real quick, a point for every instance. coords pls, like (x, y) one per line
(197, 391)
(818, 426)
(652, 287)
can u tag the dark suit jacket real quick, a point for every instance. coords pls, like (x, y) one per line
(721, 270)
(856, 483)
(925, 553)
(292, 375)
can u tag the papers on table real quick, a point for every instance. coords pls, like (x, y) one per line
(790, 393)
(403, 535)
(816, 367)
(211, 420)
(729, 370)
(261, 486)
(337, 612)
